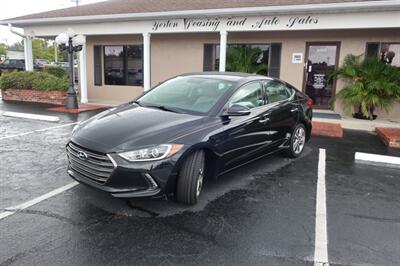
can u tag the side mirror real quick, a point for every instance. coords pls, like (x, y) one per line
(238, 110)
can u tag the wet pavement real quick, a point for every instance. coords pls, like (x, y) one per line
(260, 214)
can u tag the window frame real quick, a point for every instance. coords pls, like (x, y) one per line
(125, 64)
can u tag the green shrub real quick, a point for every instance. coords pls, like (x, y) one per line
(33, 80)
(56, 71)
(17, 80)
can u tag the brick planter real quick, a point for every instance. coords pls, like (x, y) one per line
(389, 136)
(27, 95)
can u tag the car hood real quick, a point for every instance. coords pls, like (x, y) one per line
(130, 127)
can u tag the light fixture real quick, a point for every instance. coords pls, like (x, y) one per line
(78, 40)
(62, 38)
(72, 43)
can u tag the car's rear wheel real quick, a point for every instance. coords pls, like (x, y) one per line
(191, 178)
(297, 142)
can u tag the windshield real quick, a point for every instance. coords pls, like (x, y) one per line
(193, 94)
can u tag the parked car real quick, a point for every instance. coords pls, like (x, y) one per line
(190, 127)
(12, 64)
(40, 63)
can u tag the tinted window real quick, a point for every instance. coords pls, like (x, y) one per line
(193, 94)
(123, 65)
(249, 95)
(277, 91)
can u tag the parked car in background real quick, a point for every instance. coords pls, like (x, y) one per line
(40, 63)
(185, 129)
(12, 65)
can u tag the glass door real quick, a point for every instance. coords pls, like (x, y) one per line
(322, 59)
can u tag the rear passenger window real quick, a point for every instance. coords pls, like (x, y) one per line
(277, 91)
(250, 96)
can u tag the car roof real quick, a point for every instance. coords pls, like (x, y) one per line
(231, 76)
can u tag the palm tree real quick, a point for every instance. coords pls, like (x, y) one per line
(245, 59)
(370, 83)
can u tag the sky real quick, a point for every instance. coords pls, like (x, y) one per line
(16, 8)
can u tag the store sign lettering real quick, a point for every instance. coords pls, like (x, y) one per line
(301, 21)
(167, 24)
(213, 24)
(241, 23)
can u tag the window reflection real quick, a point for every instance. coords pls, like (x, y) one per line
(123, 65)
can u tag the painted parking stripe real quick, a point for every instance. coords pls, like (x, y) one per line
(37, 130)
(377, 159)
(321, 236)
(12, 210)
(47, 118)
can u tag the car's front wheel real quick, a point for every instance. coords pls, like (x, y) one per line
(190, 178)
(297, 142)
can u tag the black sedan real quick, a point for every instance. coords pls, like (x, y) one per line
(189, 128)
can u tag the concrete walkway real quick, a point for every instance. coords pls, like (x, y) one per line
(358, 124)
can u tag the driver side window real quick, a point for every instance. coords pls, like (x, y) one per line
(249, 95)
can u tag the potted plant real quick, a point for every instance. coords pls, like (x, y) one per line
(370, 84)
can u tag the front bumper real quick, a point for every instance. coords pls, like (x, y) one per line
(121, 179)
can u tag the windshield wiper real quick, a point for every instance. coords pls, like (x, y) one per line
(136, 102)
(164, 108)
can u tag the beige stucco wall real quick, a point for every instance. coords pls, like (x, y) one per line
(173, 54)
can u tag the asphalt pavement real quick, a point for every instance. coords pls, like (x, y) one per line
(261, 214)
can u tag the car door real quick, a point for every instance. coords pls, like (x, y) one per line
(283, 111)
(243, 137)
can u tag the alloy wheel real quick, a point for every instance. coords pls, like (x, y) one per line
(299, 140)
(199, 182)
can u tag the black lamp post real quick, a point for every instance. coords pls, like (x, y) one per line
(72, 43)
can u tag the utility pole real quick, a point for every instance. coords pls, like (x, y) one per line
(77, 2)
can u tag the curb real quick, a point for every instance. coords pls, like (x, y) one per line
(32, 116)
(325, 129)
(389, 136)
(376, 159)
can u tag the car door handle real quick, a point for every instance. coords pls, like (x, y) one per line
(294, 110)
(264, 120)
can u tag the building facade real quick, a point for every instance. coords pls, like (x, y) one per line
(133, 45)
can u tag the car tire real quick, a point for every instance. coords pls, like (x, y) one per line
(190, 178)
(297, 142)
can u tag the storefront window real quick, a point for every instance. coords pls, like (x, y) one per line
(387, 52)
(246, 58)
(123, 65)
(390, 53)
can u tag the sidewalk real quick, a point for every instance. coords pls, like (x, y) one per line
(43, 109)
(358, 124)
(387, 130)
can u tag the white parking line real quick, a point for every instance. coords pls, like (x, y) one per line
(48, 118)
(11, 210)
(37, 130)
(376, 159)
(321, 236)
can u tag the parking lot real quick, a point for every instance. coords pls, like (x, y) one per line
(261, 214)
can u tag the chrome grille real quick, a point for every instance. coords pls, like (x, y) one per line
(95, 166)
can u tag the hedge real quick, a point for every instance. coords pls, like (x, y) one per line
(57, 71)
(41, 81)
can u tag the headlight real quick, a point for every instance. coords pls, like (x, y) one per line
(151, 153)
